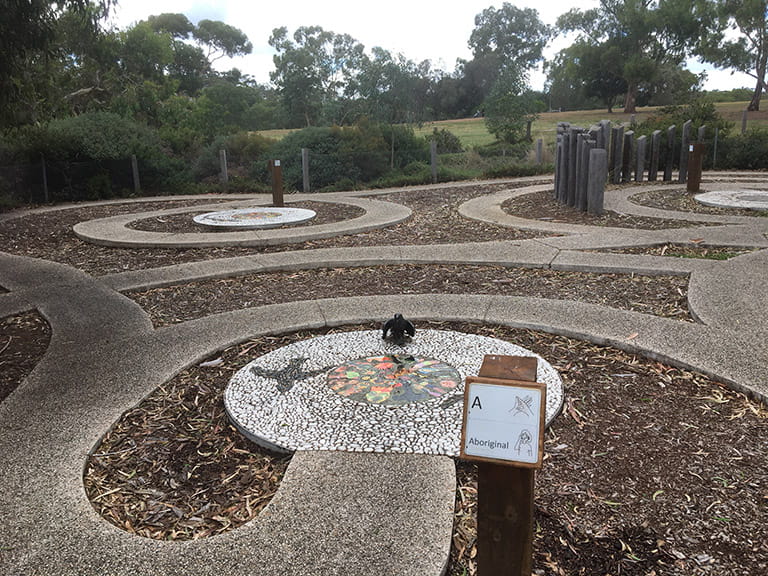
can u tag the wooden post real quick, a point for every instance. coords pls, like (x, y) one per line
(223, 176)
(671, 131)
(45, 179)
(135, 172)
(686, 142)
(642, 144)
(598, 174)
(583, 179)
(573, 136)
(653, 171)
(277, 183)
(539, 151)
(305, 169)
(714, 147)
(626, 158)
(433, 160)
(744, 122)
(505, 504)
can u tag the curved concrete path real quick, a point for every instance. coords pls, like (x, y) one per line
(335, 513)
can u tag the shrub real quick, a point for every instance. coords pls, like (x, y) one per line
(746, 151)
(447, 142)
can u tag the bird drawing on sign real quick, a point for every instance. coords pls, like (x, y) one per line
(397, 327)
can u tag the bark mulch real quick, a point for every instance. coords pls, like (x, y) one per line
(541, 206)
(23, 341)
(658, 295)
(690, 250)
(649, 470)
(183, 223)
(683, 201)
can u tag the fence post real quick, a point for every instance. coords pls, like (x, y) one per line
(628, 152)
(539, 151)
(223, 176)
(305, 169)
(714, 147)
(45, 178)
(653, 170)
(744, 122)
(135, 172)
(433, 159)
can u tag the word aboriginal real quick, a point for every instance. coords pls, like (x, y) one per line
(490, 444)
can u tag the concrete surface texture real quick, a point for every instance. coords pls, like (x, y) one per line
(335, 512)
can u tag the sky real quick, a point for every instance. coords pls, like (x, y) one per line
(433, 30)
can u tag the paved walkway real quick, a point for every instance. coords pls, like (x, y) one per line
(335, 513)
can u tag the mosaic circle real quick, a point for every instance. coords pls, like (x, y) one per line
(744, 199)
(393, 380)
(252, 218)
(285, 401)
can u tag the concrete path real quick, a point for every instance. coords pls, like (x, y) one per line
(335, 513)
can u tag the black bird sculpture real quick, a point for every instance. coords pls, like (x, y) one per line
(398, 327)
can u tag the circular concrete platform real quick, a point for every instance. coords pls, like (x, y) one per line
(254, 218)
(355, 392)
(744, 199)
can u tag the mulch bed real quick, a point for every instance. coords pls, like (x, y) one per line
(683, 201)
(650, 469)
(658, 295)
(541, 206)
(691, 250)
(23, 341)
(183, 223)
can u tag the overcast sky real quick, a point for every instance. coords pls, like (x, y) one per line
(419, 29)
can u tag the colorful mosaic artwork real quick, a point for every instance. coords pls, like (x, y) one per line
(393, 380)
(254, 218)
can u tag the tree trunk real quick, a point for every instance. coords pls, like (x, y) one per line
(630, 100)
(754, 104)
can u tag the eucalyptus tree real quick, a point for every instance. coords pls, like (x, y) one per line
(314, 68)
(738, 40)
(648, 35)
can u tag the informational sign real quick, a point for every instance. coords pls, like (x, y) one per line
(504, 421)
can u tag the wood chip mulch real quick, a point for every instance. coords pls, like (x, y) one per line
(649, 470)
(690, 250)
(664, 296)
(23, 341)
(541, 206)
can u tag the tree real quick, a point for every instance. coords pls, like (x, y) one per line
(509, 108)
(221, 39)
(27, 44)
(738, 40)
(646, 35)
(312, 70)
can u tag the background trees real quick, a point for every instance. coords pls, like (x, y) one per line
(737, 39)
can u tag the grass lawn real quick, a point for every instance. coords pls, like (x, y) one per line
(472, 131)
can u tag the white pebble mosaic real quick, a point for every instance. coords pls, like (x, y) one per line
(254, 218)
(745, 199)
(294, 408)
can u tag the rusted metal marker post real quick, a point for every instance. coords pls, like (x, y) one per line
(277, 183)
(503, 429)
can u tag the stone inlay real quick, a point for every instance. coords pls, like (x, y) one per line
(747, 199)
(393, 380)
(286, 401)
(251, 218)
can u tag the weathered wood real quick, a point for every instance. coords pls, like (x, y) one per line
(598, 174)
(626, 156)
(642, 145)
(671, 131)
(684, 152)
(653, 171)
(617, 145)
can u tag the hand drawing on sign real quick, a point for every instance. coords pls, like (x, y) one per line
(524, 443)
(522, 406)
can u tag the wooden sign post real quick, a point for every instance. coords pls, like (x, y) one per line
(277, 183)
(503, 429)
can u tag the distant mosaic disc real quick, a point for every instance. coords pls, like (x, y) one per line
(335, 392)
(744, 199)
(254, 218)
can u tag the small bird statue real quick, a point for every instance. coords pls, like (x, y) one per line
(398, 327)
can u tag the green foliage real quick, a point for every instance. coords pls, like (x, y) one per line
(348, 156)
(745, 151)
(242, 150)
(518, 170)
(508, 110)
(701, 112)
(447, 142)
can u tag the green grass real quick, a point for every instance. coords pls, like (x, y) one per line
(472, 131)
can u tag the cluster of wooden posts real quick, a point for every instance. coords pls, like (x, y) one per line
(588, 159)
